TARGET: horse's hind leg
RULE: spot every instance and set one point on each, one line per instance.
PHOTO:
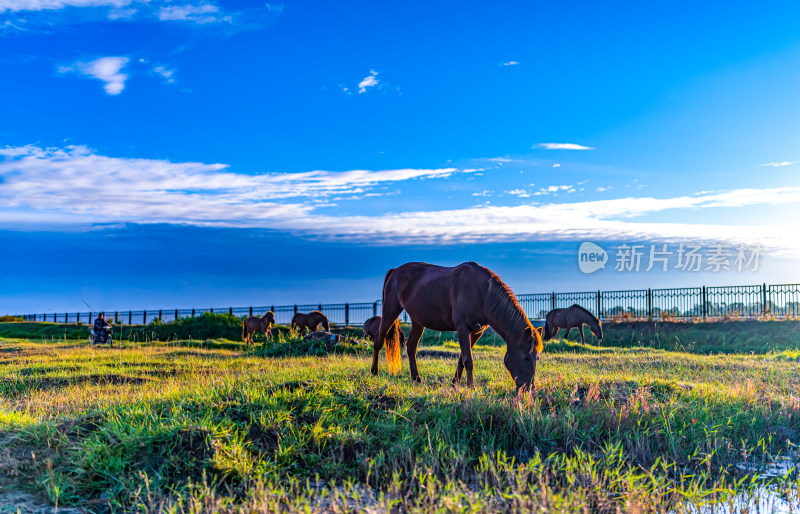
(411, 349)
(583, 338)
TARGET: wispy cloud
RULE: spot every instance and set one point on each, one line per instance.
(368, 81)
(562, 146)
(167, 74)
(198, 13)
(522, 193)
(510, 63)
(47, 15)
(60, 179)
(51, 5)
(555, 189)
(784, 163)
(107, 69)
(45, 185)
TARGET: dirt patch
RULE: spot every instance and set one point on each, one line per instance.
(383, 402)
(263, 440)
(290, 386)
(13, 496)
(26, 384)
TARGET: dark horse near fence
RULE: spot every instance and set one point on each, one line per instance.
(467, 299)
(569, 318)
(253, 324)
(309, 321)
(372, 325)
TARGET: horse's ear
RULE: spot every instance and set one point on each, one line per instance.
(540, 330)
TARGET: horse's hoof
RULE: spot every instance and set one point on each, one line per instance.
(374, 371)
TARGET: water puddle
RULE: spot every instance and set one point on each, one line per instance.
(761, 499)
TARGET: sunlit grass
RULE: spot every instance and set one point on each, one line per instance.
(217, 426)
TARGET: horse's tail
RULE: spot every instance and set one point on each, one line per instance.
(392, 345)
(546, 331)
(244, 329)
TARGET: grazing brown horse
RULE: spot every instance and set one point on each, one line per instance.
(569, 318)
(309, 321)
(253, 324)
(467, 299)
(372, 325)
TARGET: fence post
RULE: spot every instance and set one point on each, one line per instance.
(705, 303)
(193, 312)
(599, 304)
(130, 317)
(230, 311)
(319, 307)
(159, 314)
(764, 299)
(374, 308)
(78, 317)
(212, 310)
(272, 308)
(144, 318)
(116, 316)
(552, 301)
(347, 314)
(649, 303)
(295, 309)
(251, 310)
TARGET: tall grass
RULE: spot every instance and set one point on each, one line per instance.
(178, 427)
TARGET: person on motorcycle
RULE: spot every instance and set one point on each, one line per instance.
(99, 324)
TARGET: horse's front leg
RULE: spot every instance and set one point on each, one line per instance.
(464, 341)
(459, 371)
(473, 338)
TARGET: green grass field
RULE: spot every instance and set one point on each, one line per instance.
(202, 426)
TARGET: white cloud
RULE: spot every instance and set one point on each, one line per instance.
(166, 73)
(556, 165)
(562, 146)
(784, 163)
(145, 190)
(74, 185)
(51, 5)
(107, 69)
(522, 193)
(200, 13)
(368, 81)
(510, 63)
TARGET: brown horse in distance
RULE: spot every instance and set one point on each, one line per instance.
(372, 325)
(253, 324)
(310, 321)
(466, 299)
(569, 318)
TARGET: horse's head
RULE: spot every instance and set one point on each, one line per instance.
(598, 330)
(521, 358)
(269, 316)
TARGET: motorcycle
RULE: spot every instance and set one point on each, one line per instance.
(102, 336)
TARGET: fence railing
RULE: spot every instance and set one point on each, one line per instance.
(686, 302)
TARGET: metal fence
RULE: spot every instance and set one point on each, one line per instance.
(686, 302)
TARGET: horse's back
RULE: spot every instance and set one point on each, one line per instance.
(438, 296)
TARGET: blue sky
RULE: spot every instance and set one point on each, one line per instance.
(180, 153)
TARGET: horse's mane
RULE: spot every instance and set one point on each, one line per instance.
(584, 310)
(502, 304)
